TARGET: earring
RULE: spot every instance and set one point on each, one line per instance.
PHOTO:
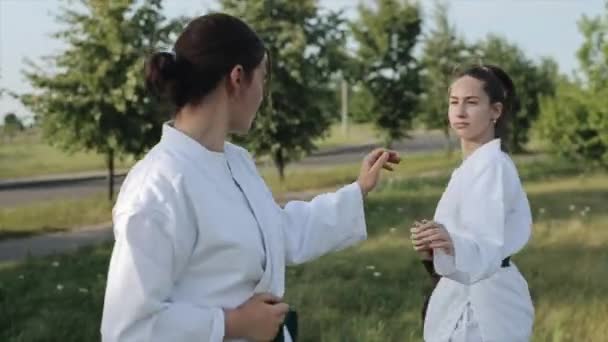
(494, 121)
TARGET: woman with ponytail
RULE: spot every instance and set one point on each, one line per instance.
(482, 219)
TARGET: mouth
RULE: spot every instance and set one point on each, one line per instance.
(460, 125)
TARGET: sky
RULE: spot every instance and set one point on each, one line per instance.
(538, 27)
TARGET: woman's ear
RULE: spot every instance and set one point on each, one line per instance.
(235, 78)
(496, 111)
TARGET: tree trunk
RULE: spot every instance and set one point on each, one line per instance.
(279, 163)
(110, 165)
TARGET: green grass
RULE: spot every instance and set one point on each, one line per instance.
(321, 177)
(357, 134)
(53, 216)
(372, 292)
(46, 313)
(28, 156)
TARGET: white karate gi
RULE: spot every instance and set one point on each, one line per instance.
(487, 214)
(190, 243)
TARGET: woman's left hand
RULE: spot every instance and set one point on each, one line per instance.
(434, 235)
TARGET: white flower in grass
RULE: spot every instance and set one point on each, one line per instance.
(83, 290)
(59, 287)
(370, 267)
(572, 207)
(541, 210)
(393, 230)
(583, 213)
(377, 274)
(587, 209)
(400, 209)
(55, 264)
(21, 276)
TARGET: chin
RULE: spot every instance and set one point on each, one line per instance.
(462, 133)
(468, 133)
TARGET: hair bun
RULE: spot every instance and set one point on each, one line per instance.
(161, 73)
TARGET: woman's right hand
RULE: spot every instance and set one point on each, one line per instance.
(258, 319)
(425, 252)
(372, 164)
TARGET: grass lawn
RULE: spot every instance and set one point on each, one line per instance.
(53, 216)
(28, 156)
(372, 292)
(357, 134)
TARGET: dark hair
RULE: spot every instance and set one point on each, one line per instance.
(207, 50)
(500, 88)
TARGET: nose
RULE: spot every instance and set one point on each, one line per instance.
(460, 111)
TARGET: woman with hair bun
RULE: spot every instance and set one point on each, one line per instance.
(201, 246)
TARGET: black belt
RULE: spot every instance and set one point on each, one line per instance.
(430, 268)
(291, 323)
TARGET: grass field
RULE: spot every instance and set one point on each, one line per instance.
(28, 156)
(372, 292)
(53, 216)
(357, 134)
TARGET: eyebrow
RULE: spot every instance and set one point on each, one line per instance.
(471, 97)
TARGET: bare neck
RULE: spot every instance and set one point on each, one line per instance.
(469, 146)
(206, 123)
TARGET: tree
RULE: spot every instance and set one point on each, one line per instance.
(531, 82)
(576, 124)
(12, 125)
(575, 121)
(306, 50)
(96, 99)
(443, 53)
(361, 104)
(591, 55)
(386, 36)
